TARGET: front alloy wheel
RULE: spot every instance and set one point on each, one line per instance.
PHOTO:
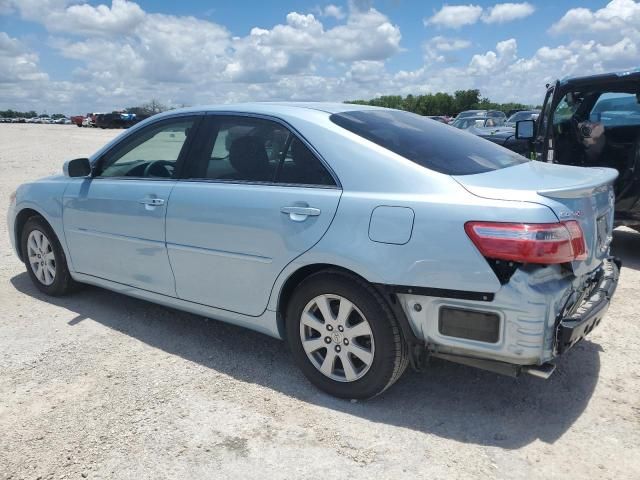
(44, 258)
(41, 257)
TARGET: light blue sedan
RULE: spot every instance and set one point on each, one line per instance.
(367, 238)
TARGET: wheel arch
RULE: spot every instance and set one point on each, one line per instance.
(299, 275)
(21, 219)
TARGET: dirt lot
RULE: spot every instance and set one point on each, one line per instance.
(99, 385)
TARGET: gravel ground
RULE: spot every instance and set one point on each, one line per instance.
(98, 385)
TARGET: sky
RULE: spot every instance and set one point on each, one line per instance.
(76, 57)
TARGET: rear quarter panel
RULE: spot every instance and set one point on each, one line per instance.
(439, 253)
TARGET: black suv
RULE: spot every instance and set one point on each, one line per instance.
(589, 121)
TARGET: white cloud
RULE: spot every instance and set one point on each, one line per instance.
(455, 16)
(126, 55)
(57, 16)
(492, 62)
(617, 20)
(507, 12)
(366, 71)
(122, 55)
(333, 11)
(445, 44)
(17, 64)
(293, 48)
(6, 7)
(440, 49)
(23, 83)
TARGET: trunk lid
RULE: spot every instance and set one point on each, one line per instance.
(572, 193)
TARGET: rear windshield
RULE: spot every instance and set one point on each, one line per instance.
(432, 144)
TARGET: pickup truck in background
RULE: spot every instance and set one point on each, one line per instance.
(589, 121)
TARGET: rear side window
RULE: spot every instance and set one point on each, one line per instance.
(256, 150)
(433, 145)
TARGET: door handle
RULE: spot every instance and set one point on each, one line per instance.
(300, 213)
(153, 202)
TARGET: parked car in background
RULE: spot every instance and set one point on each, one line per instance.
(260, 215)
(438, 118)
(117, 120)
(477, 121)
(89, 120)
(482, 113)
(521, 115)
(503, 136)
(592, 121)
(77, 120)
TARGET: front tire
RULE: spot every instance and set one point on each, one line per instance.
(44, 258)
(344, 336)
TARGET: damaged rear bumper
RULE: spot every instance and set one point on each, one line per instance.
(539, 315)
(588, 313)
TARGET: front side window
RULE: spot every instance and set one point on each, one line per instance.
(151, 153)
(433, 145)
(257, 150)
(566, 108)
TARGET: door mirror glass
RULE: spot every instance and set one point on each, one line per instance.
(525, 129)
(78, 167)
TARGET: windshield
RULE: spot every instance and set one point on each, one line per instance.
(516, 117)
(433, 145)
(470, 113)
(465, 123)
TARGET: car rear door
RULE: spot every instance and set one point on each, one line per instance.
(255, 197)
(114, 221)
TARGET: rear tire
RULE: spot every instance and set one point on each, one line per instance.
(44, 258)
(344, 336)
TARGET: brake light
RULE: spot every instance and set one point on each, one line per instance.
(543, 243)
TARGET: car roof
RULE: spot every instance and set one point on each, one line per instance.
(476, 117)
(276, 108)
(602, 78)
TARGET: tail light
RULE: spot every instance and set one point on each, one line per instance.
(543, 243)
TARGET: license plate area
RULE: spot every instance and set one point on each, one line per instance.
(603, 234)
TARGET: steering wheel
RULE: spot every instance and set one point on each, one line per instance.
(159, 168)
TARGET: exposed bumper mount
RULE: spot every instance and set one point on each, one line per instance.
(588, 314)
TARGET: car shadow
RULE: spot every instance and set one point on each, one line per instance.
(447, 400)
(626, 246)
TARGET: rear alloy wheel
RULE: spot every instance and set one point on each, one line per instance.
(337, 338)
(344, 337)
(44, 258)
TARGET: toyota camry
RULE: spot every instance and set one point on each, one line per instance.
(365, 237)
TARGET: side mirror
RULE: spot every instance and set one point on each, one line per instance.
(78, 167)
(525, 129)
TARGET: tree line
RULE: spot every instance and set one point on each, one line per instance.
(146, 109)
(441, 103)
(30, 114)
(429, 104)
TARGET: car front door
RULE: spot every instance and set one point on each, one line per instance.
(542, 148)
(255, 199)
(114, 221)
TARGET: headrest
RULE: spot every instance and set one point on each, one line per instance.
(249, 157)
